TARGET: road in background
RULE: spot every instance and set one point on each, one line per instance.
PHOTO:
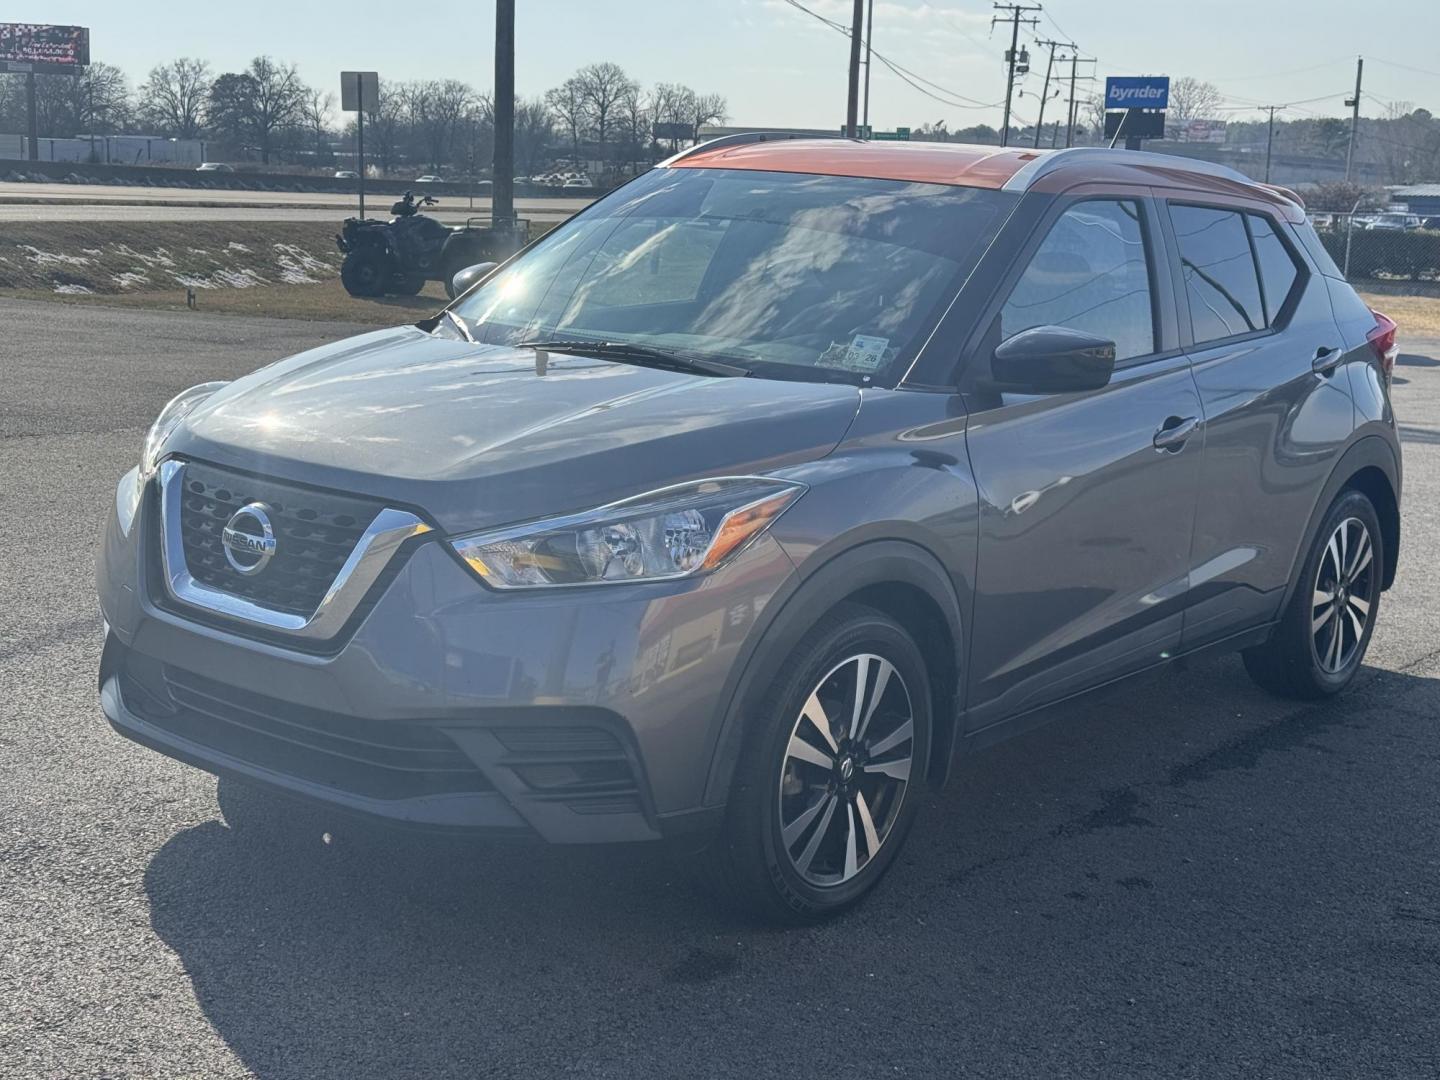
(102, 202)
(1181, 878)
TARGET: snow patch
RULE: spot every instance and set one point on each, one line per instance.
(74, 290)
(298, 266)
(128, 280)
(192, 281)
(49, 258)
(160, 257)
(235, 246)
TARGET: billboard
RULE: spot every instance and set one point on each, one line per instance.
(44, 48)
(1206, 131)
(1137, 92)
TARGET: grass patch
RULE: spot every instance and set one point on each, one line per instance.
(325, 301)
(69, 258)
(1414, 314)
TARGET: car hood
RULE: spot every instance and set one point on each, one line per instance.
(479, 435)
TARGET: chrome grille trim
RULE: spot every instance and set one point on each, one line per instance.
(374, 550)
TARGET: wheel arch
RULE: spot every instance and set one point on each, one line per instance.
(1371, 466)
(897, 577)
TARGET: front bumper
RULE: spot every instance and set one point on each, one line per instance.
(587, 716)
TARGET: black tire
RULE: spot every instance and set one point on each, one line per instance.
(1302, 659)
(365, 272)
(751, 863)
(407, 285)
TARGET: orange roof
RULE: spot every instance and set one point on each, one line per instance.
(959, 164)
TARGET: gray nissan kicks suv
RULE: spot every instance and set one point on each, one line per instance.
(741, 503)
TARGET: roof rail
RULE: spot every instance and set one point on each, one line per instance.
(1047, 163)
(741, 139)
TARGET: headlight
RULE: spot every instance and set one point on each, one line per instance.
(676, 532)
(175, 410)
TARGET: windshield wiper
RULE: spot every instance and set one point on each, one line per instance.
(641, 354)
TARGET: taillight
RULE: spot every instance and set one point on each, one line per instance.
(1382, 340)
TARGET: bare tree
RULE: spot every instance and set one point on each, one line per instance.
(603, 88)
(173, 97)
(97, 101)
(275, 102)
(1193, 99)
(568, 104)
(534, 129)
(316, 108)
(708, 109)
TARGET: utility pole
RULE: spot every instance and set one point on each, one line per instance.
(1270, 139)
(32, 123)
(1045, 93)
(869, 29)
(502, 173)
(1015, 18)
(1071, 113)
(1354, 104)
(852, 104)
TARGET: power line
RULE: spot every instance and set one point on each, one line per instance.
(899, 70)
(1012, 55)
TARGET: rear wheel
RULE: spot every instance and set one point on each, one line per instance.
(822, 796)
(407, 284)
(365, 272)
(1320, 642)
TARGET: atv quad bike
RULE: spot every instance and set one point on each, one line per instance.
(397, 257)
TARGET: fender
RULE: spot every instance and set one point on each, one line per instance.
(1368, 451)
(787, 621)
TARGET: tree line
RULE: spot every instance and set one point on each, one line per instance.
(267, 112)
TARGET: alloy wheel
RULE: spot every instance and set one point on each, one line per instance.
(846, 770)
(1344, 594)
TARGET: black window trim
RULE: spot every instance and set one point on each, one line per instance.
(1182, 292)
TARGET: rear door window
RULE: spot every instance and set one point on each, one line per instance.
(1278, 272)
(1218, 267)
(1090, 273)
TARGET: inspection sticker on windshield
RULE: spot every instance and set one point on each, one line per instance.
(864, 353)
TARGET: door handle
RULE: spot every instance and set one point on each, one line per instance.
(1326, 361)
(1171, 436)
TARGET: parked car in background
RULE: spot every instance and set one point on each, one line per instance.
(736, 507)
(1432, 222)
(577, 182)
(428, 179)
(1321, 220)
(346, 174)
(214, 166)
(1394, 222)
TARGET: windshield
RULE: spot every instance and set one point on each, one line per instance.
(787, 275)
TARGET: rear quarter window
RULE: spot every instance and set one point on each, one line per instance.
(1218, 268)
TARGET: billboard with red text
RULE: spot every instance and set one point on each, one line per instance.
(44, 47)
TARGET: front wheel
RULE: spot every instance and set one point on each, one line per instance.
(822, 798)
(1320, 641)
(365, 272)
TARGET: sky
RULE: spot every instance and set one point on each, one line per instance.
(778, 66)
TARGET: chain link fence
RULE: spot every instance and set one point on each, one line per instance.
(1387, 247)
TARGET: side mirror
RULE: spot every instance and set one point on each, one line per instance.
(463, 279)
(1052, 360)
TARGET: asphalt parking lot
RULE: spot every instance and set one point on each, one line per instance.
(1181, 878)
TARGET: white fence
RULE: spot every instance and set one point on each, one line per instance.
(108, 149)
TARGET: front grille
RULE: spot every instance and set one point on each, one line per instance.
(315, 533)
(382, 759)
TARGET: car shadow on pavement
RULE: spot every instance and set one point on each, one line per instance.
(1095, 862)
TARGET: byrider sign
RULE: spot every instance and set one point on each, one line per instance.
(1137, 92)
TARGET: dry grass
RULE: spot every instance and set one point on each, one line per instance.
(1414, 314)
(134, 257)
(326, 301)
